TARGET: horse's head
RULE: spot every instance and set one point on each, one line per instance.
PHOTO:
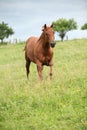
(49, 35)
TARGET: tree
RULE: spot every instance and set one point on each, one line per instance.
(84, 27)
(5, 31)
(62, 26)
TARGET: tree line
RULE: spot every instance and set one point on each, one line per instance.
(61, 26)
(5, 31)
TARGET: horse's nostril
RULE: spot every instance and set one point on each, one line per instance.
(52, 44)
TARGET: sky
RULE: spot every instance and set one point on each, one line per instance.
(27, 17)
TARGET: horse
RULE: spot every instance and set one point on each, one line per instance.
(39, 50)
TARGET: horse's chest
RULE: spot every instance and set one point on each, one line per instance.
(46, 60)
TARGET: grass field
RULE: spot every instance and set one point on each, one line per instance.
(60, 104)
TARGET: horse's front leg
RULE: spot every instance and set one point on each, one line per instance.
(51, 73)
(39, 69)
(51, 68)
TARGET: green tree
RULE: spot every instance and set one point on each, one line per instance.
(5, 31)
(84, 27)
(62, 26)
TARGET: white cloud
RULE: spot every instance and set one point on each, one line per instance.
(27, 17)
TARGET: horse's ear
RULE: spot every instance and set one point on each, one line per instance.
(44, 27)
(51, 25)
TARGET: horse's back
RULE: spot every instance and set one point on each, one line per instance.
(29, 48)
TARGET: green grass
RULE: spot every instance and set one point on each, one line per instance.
(60, 104)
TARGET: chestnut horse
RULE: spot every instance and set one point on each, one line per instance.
(40, 50)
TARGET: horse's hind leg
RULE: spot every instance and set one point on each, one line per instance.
(28, 67)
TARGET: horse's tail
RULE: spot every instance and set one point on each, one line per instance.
(25, 46)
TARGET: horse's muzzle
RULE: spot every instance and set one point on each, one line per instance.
(52, 44)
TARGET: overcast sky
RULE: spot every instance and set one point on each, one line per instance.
(27, 17)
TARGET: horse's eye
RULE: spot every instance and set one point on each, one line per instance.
(46, 34)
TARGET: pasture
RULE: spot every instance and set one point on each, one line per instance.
(59, 104)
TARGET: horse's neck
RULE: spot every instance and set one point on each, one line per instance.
(43, 42)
